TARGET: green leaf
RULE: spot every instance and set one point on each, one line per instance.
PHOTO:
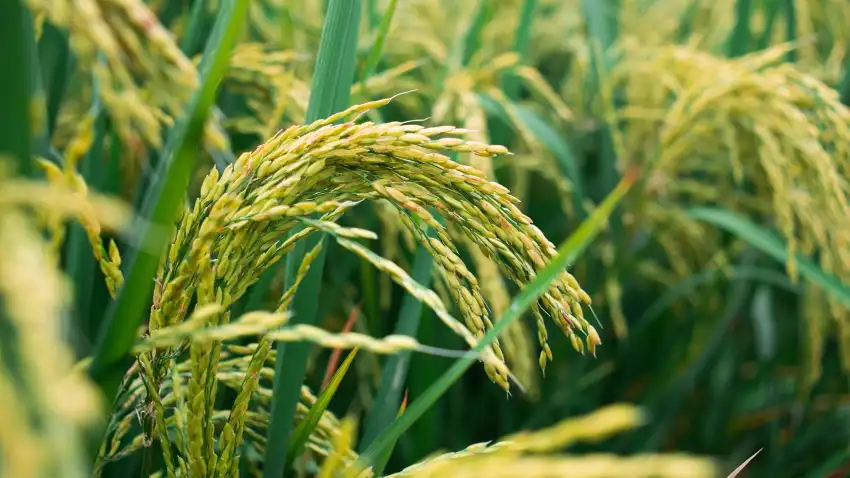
(771, 12)
(330, 92)
(15, 85)
(196, 26)
(686, 23)
(162, 205)
(483, 13)
(768, 243)
(522, 36)
(302, 432)
(739, 40)
(568, 252)
(791, 30)
(56, 62)
(377, 48)
(602, 26)
(381, 461)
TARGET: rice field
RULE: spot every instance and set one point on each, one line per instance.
(374, 238)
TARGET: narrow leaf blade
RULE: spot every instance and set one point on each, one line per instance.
(162, 205)
(306, 427)
(770, 244)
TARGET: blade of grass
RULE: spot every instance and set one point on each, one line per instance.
(510, 81)
(739, 39)
(305, 428)
(163, 204)
(768, 243)
(381, 462)
(372, 14)
(337, 353)
(377, 48)
(15, 83)
(196, 26)
(388, 397)
(568, 252)
(330, 92)
(483, 13)
(56, 62)
(601, 19)
(40, 137)
(510, 84)
(686, 23)
(771, 12)
(791, 28)
(602, 25)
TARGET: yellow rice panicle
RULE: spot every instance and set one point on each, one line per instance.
(145, 80)
(783, 132)
(310, 165)
(533, 453)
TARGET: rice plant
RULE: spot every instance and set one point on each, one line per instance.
(424, 238)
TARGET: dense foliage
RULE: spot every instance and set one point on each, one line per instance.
(206, 204)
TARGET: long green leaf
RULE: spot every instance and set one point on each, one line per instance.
(771, 12)
(686, 22)
(739, 40)
(330, 92)
(522, 36)
(302, 432)
(15, 85)
(568, 252)
(510, 81)
(56, 61)
(196, 26)
(472, 41)
(377, 48)
(768, 243)
(791, 26)
(40, 136)
(162, 205)
(381, 461)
